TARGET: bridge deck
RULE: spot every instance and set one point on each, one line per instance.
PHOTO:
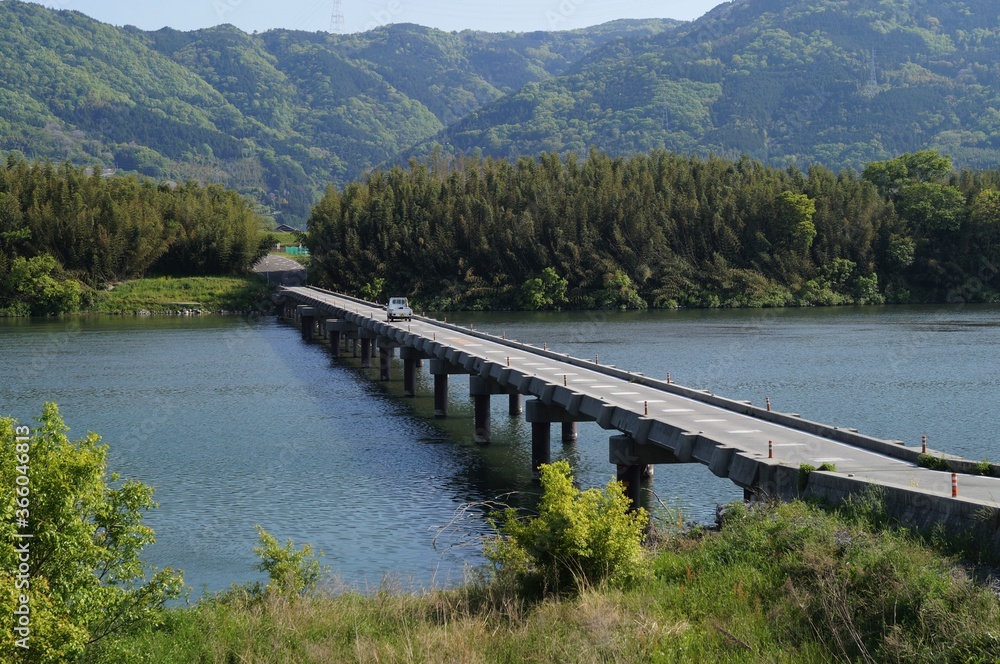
(728, 436)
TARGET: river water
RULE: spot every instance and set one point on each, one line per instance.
(237, 422)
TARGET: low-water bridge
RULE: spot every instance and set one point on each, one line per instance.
(657, 421)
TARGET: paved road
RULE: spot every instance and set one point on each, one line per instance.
(705, 427)
(280, 270)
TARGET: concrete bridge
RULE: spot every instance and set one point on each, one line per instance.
(767, 453)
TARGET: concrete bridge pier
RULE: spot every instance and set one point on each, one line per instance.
(541, 416)
(635, 462)
(411, 358)
(385, 347)
(441, 369)
(481, 389)
(307, 316)
(337, 330)
(367, 339)
(516, 404)
(570, 432)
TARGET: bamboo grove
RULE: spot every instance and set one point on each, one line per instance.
(64, 232)
(661, 230)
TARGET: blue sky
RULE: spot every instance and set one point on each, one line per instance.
(250, 15)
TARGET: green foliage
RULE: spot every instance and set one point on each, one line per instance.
(168, 294)
(777, 583)
(32, 281)
(88, 584)
(932, 462)
(804, 470)
(62, 231)
(293, 572)
(577, 540)
(543, 292)
(795, 577)
(654, 229)
(984, 468)
(374, 290)
(274, 116)
(786, 82)
(931, 207)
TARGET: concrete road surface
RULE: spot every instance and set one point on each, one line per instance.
(280, 270)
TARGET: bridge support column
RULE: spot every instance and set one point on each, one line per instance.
(441, 395)
(410, 358)
(541, 446)
(367, 340)
(631, 477)
(541, 416)
(480, 390)
(354, 347)
(635, 462)
(337, 330)
(385, 350)
(570, 432)
(307, 315)
(516, 404)
(440, 369)
(385, 364)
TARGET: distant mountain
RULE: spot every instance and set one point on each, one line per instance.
(276, 116)
(280, 115)
(839, 82)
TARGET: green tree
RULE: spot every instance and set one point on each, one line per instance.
(794, 217)
(35, 281)
(892, 175)
(84, 579)
(543, 292)
(932, 207)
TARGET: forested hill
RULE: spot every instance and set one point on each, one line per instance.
(834, 82)
(276, 116)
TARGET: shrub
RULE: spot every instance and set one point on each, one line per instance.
(932, 462)
(292, 572)
(84, 581)
(578, 538)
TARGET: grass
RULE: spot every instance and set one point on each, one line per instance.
(163, 294)
(782, 583)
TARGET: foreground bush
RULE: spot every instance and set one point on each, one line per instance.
(578, 538)
(70, 544)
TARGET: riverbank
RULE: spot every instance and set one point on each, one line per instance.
(183, 296)
(790, 582)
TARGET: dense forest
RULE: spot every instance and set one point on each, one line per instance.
(661, 230)
(64, 233)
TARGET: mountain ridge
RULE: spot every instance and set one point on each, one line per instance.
(280, 115)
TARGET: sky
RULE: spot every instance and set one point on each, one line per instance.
(359, 15)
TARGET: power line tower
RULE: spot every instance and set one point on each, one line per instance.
(337, 19)
(871, 88)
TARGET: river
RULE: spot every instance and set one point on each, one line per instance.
(237, 422)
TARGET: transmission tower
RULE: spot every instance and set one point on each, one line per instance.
(337, 19)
